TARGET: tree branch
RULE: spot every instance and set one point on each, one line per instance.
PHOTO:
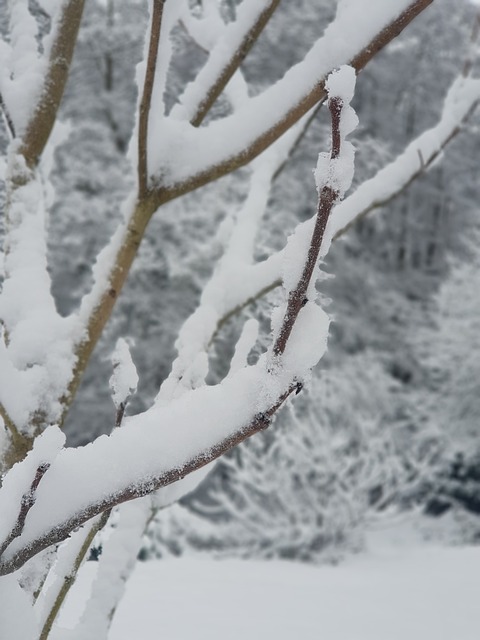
(20, 444)
(60, 529)
(26, 503)
(380, 190)
(67, 580)
(317, 94)
(8, 119)
(327, 200)
(145, 207)
(145, 103)
(211, 402)
(213, 90)
(41, 123)
(102, 306)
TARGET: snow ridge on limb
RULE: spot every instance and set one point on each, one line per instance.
(195, 429)
(224, 59)
(461, 101)
(171, 139)
(354, 37)
(19, 489)
(232, 280)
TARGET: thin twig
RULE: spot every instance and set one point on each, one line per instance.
(144, 113)
(26, 503)
(376, 204)
(69, 579)
(468, 64)
(8, 119)
(328, 197)
(213, 91)
(382, 202)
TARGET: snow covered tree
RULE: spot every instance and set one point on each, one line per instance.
(54, 499)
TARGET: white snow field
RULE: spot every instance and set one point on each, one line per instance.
(402, 591)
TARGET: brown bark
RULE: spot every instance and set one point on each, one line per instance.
(41, 123)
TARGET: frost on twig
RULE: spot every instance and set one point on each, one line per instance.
(124, 379)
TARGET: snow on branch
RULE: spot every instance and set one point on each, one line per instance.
(19, 489)
(354, 37)
(124, 379)
(36, 350)
(245, 135)
(333, 177)
(232, 279)
(460, 102)
(145, 103)
(225, 57)
(162, 445)
(60, 52)
(205, 32)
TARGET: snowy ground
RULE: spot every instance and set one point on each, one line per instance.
(400, 590)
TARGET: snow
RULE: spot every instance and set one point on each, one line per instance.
(344, 38)
(386, 183)
(116, 563)
(148, 445)
(244, 345)
(38, 359)
(19, 481)
(461, 98)
(391, 592)
(22, 71)
(225, 47)
(17, 621)
(124, 379)
(337, 173)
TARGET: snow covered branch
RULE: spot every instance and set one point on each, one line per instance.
(460, 103)
(223, 416)
(227, 144)
(40, 124)
(179, 146)
(238, 38)
(144, 110)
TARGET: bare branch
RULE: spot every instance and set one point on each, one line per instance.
(43, 119)
(103, 307)
(145, 103)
